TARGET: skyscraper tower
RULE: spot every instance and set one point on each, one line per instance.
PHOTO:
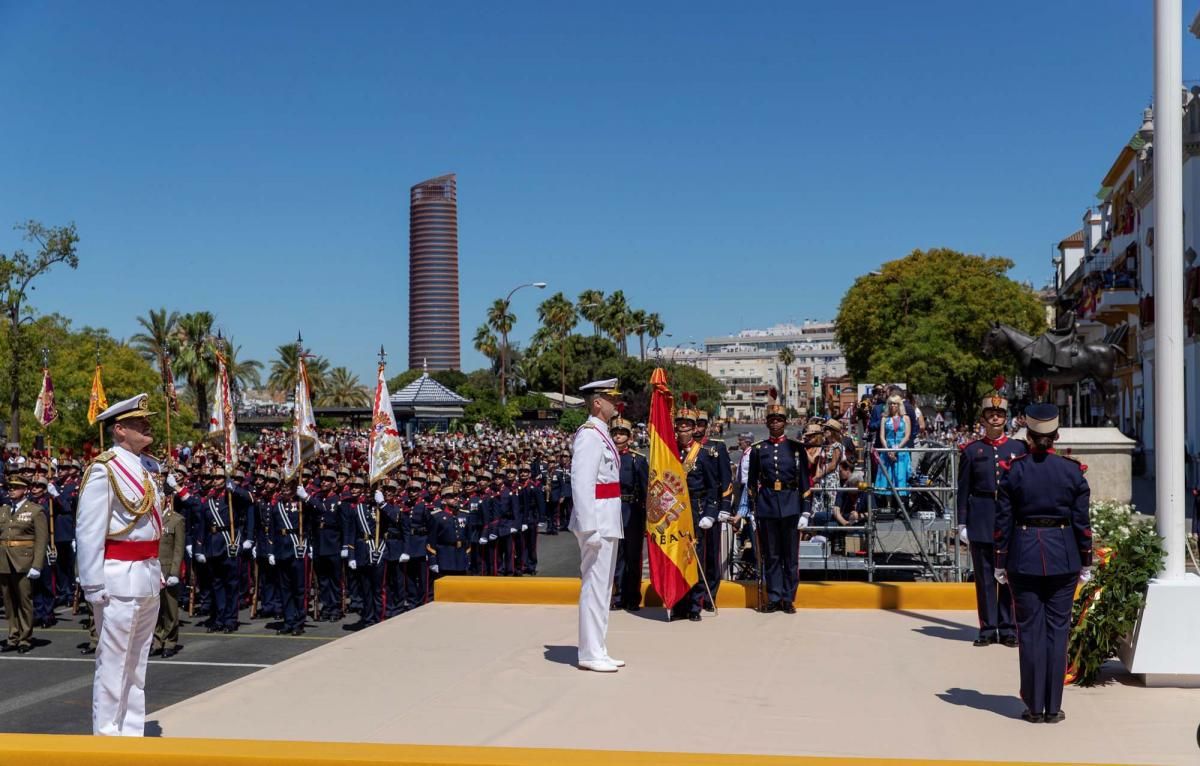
(433, 335)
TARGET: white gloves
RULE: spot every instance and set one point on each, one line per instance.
(229, 485)
(803, 522)
(1001, 576)
(483, 541)
(201, 558)
(172, 482)
(353, 565)
(345, 553)
(724, 516)
(404, 557)
(188, 550)
(962, 534)
(172, 580)
(512, 530)
(491, 537)
(72, 546)
(98, 597)
(524, 527)
(433, 568)
(271, 559)
(247, 544)
(378, 497)
(706, 522)
(51, 490)
(34, 574)
(301, 492)
(1086, 574)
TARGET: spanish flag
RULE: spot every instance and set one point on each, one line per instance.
(98, 402)
(669, 527)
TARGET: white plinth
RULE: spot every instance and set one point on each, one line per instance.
(1163, 648)
(1108, 455)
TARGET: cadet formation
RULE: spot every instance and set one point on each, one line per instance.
(321, 544)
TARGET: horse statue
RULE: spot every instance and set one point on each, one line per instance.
(1058, 356)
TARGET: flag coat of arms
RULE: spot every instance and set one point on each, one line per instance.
(222, 430)
(669, 530)
(304, 425)
(97, 402)
(385, 450)
(44, 410)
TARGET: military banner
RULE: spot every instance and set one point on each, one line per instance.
(222, 430)
(169, 391)
(385, 450)
(97, 402)
(669, 529)
(304, 424)
(44, 410)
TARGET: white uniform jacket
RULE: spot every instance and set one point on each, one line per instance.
(102, 516)
(595, 469)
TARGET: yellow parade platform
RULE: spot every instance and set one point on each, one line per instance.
(730, 595)
(496, 683)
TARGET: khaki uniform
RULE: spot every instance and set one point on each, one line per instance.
(170, 557)
(24, 535)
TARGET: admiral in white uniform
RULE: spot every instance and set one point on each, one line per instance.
(119, 524)
(596, 522)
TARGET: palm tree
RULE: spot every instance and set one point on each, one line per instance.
(343, 389)
(282, 379)
(655, 326)
(786, 357)
(501, 319)
(616, 318)
(155, 342)
(591, 308)
(485, 343)
(193, 350)
(558, 318)
(637, 320)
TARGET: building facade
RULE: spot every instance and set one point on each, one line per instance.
(433, 318)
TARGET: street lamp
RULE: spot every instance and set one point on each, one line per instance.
(504, 339)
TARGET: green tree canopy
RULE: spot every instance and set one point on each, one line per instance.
(922, 319)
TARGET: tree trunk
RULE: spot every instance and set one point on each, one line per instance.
(14, 377)
(642, 345)
(562, 374)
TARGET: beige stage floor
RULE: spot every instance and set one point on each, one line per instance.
(822, 682)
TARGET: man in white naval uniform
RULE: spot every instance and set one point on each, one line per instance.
(596, 522)
(119, 523)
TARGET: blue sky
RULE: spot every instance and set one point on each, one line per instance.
(727, 165)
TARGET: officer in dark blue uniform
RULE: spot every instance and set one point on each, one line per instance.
(362, 532)
(416, 520)
(980, 469)
(724, 465)
(1043, 548)
(221, 534)
(449, 546)
(635, 478)
(62, 507)
(704, 494)
(508, 511)
(472, 503)
(394, 522)
(323, 509)
(288, 552)
(269, 600)
(533, 508)
(777, 480)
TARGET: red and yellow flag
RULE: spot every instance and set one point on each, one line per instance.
(98, 402)
(669, 528)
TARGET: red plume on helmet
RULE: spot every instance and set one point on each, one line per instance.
(999, 382)
(1041, 387)
(620, 408)
(773, 393)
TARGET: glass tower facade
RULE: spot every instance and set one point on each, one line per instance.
(433, 332)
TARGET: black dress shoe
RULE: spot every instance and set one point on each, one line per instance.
(633, 608)
(212, 629)
(1027, 716)
(87, 650)
(226, 631)
(7, 647)
(1055, 717)
(297, 631)
(984, 641)
(156, 652)
(709, 608)
(786, 607)
(1009, 641)
(769, 607)
(168, 653)
(24, 649)
(694, 617)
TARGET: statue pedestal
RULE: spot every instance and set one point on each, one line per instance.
(1162, 649)
(1108, 455)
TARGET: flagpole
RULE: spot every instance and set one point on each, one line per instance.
(163, 362)
(371, 441)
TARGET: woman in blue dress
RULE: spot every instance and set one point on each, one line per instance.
(894, 429)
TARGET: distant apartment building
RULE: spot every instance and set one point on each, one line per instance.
(433, 323)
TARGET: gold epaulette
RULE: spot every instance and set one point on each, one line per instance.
(104, 456)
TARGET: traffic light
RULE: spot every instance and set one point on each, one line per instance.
(816, 382)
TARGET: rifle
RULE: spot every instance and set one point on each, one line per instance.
(191, 589)
(75, 599)
(254, 589)
(345, 597)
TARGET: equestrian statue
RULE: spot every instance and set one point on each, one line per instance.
(1059, 356)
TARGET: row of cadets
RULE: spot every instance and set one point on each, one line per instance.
(704, 493)
(220, 535)
(635, 479)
